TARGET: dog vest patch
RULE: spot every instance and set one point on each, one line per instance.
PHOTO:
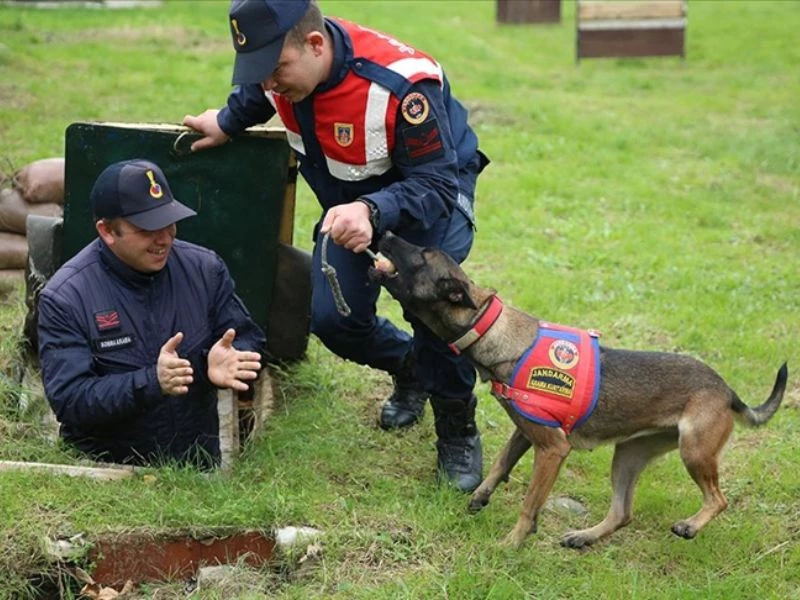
(557, 380)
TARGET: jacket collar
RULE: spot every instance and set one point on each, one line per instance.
(342, 55)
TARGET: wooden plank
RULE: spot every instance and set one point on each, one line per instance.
(263, 400)
(633, 24)
(228, 414)
(528, 11)
(241, 416)
(256, 406)
(103, 473)
(630, 42)
(286, 232)
(648, 9)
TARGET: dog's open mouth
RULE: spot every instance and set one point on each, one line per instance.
(385, 265)
(382, 269)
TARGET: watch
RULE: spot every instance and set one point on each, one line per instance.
(374, 213)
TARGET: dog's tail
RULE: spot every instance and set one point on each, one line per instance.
(761, 414)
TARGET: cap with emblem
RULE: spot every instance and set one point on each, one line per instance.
(137, 191)
(258, 28)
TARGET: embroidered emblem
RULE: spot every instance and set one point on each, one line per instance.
(415, 108)
(343, 132)
(423, 142)
(241, 38)
(155, 189)
(106, 320)
(552, 381)
(564, 354)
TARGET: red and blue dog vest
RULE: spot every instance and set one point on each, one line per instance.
(557, 380)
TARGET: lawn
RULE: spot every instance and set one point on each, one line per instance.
(657, 200)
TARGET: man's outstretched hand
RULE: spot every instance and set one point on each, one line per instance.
(174, 373)
(229, 367)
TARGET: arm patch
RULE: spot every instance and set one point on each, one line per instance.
(423, 143)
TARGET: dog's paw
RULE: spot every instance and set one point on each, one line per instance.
(577, 540)
(684, 529)
(513, 540)
(477, 503)
(517, 535)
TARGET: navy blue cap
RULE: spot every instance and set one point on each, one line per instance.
(137, 191)
(258, 28)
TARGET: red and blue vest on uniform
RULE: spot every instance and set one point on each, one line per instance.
(355, 120)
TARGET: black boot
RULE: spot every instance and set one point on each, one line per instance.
(407, 402)
(459, 443)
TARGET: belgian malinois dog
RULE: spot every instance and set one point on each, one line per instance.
(646, 403)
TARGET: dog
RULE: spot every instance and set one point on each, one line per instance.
(645, 403)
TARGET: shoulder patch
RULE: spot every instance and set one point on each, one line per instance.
(414, 108)
(423, 142)
(106, 320)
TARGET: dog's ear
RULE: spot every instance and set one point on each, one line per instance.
(456, 292)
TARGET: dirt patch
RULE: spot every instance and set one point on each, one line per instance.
(12, 98)
(179, 36)
(490, 114)
(379, 556)
(778, 183)
(224, 562)
(144, 557)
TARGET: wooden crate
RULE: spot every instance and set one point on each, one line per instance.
(528, 11)
(615, 28)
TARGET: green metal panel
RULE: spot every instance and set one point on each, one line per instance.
(237, 190)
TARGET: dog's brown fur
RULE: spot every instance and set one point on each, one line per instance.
(649, 402)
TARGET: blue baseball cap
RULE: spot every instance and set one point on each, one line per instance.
(259, 28)
(137, 191)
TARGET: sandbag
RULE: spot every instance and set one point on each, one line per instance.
(44, 235)
(41, 181)
(13, 250)
(14, 210)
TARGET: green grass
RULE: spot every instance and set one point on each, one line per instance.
(657, 200)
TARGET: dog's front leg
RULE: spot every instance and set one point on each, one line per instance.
(546, 465)
(515, 447)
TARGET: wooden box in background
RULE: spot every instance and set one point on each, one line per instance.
(630, 28)
(528, 11)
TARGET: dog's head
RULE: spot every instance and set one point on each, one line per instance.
(430, 285)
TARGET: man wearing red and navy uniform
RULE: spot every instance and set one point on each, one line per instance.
(384, 146)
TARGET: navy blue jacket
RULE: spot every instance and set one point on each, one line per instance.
(412, 192)
(101, 327)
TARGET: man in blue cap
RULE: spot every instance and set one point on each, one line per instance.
(137, 330)
(384, 146)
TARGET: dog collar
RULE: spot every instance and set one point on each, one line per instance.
(482, 324)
